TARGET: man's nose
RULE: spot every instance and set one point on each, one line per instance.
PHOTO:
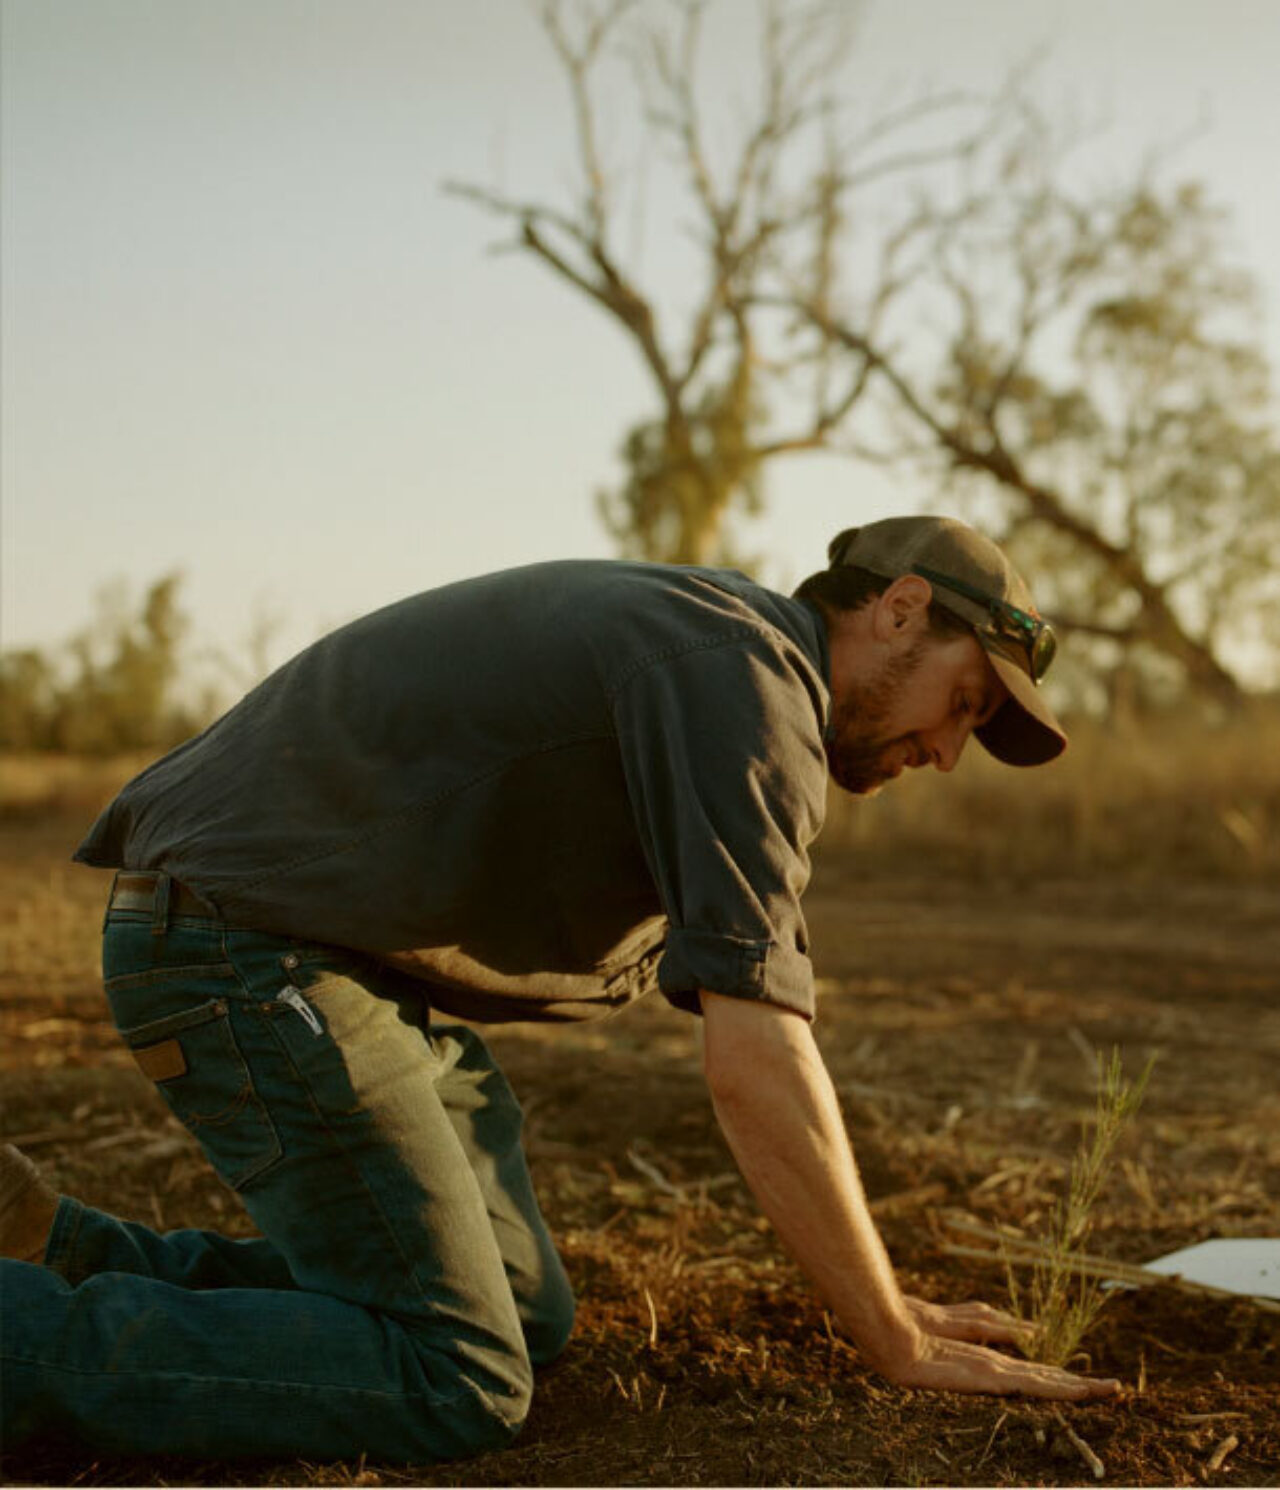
(947, 746)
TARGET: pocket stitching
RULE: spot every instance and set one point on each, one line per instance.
(245, 1097)
(146, 976)
(156, 1030)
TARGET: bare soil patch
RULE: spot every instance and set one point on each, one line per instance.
(957, 1018)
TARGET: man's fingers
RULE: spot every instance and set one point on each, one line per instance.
(957, 1366)
(982, 1323)
(973, 1321)
(957, 1359)
(1029, 1379)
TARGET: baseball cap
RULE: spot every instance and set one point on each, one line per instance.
(1023, 731)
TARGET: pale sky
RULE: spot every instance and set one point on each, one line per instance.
(247, 336)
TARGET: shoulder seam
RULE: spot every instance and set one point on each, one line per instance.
(741, 631)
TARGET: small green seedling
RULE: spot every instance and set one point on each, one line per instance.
(1060, 1303)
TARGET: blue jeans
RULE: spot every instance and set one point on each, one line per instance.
(405, 1282)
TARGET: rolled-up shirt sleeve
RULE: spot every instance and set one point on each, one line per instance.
(722, 749)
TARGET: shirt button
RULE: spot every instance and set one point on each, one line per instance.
(289, 960)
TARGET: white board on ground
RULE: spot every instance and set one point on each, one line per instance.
(1239, 1264)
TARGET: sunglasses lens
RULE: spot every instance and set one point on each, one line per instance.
(1044, 650)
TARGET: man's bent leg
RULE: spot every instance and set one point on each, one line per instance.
(84, 1241)
(401, 1338)
(486, 1117)
(488, 1122)
(132, 1365)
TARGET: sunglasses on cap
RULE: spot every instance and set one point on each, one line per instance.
(1033, 637)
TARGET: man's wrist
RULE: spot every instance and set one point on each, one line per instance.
(893, 1344)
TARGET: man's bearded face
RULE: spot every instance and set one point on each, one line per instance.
(859, 744)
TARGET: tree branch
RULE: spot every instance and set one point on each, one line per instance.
(1047, 505)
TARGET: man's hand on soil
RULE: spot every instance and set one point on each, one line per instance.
(948, 1359)
(944, 1365)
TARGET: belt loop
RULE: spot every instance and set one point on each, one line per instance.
(160, 905)
(106, 913)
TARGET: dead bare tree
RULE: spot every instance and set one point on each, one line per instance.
(924, 292)
(701, 456)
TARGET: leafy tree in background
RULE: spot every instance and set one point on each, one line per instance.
(1077, 366)
(28, 697)
(116, 692)
(1092, 382)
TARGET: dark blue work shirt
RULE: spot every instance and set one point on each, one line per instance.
(542, 791)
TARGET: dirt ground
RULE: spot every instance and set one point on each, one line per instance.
(958, 1020)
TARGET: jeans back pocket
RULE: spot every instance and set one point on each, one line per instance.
(196, 1062)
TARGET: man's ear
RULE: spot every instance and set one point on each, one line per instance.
(903, 609)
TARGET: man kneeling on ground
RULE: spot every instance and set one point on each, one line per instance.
(536, 795)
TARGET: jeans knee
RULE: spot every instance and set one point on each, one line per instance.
(484, 1422)
(547, 1335)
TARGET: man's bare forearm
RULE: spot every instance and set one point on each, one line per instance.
(783, 1123)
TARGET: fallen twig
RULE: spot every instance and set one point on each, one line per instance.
(723, 1260)
(126, 1135)
(1218, 1458)
(39, 1028)
(40, 1136)
(1018, 1249)
(1081, 1448)
(653, 1320)
(906, 1200)
(655, 1176)
(982, 1458)
(66, 1132)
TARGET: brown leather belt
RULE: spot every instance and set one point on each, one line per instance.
(135, 890)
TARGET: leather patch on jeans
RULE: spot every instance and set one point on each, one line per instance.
(162, 1062)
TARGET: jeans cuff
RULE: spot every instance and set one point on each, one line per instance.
(64, 1231)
